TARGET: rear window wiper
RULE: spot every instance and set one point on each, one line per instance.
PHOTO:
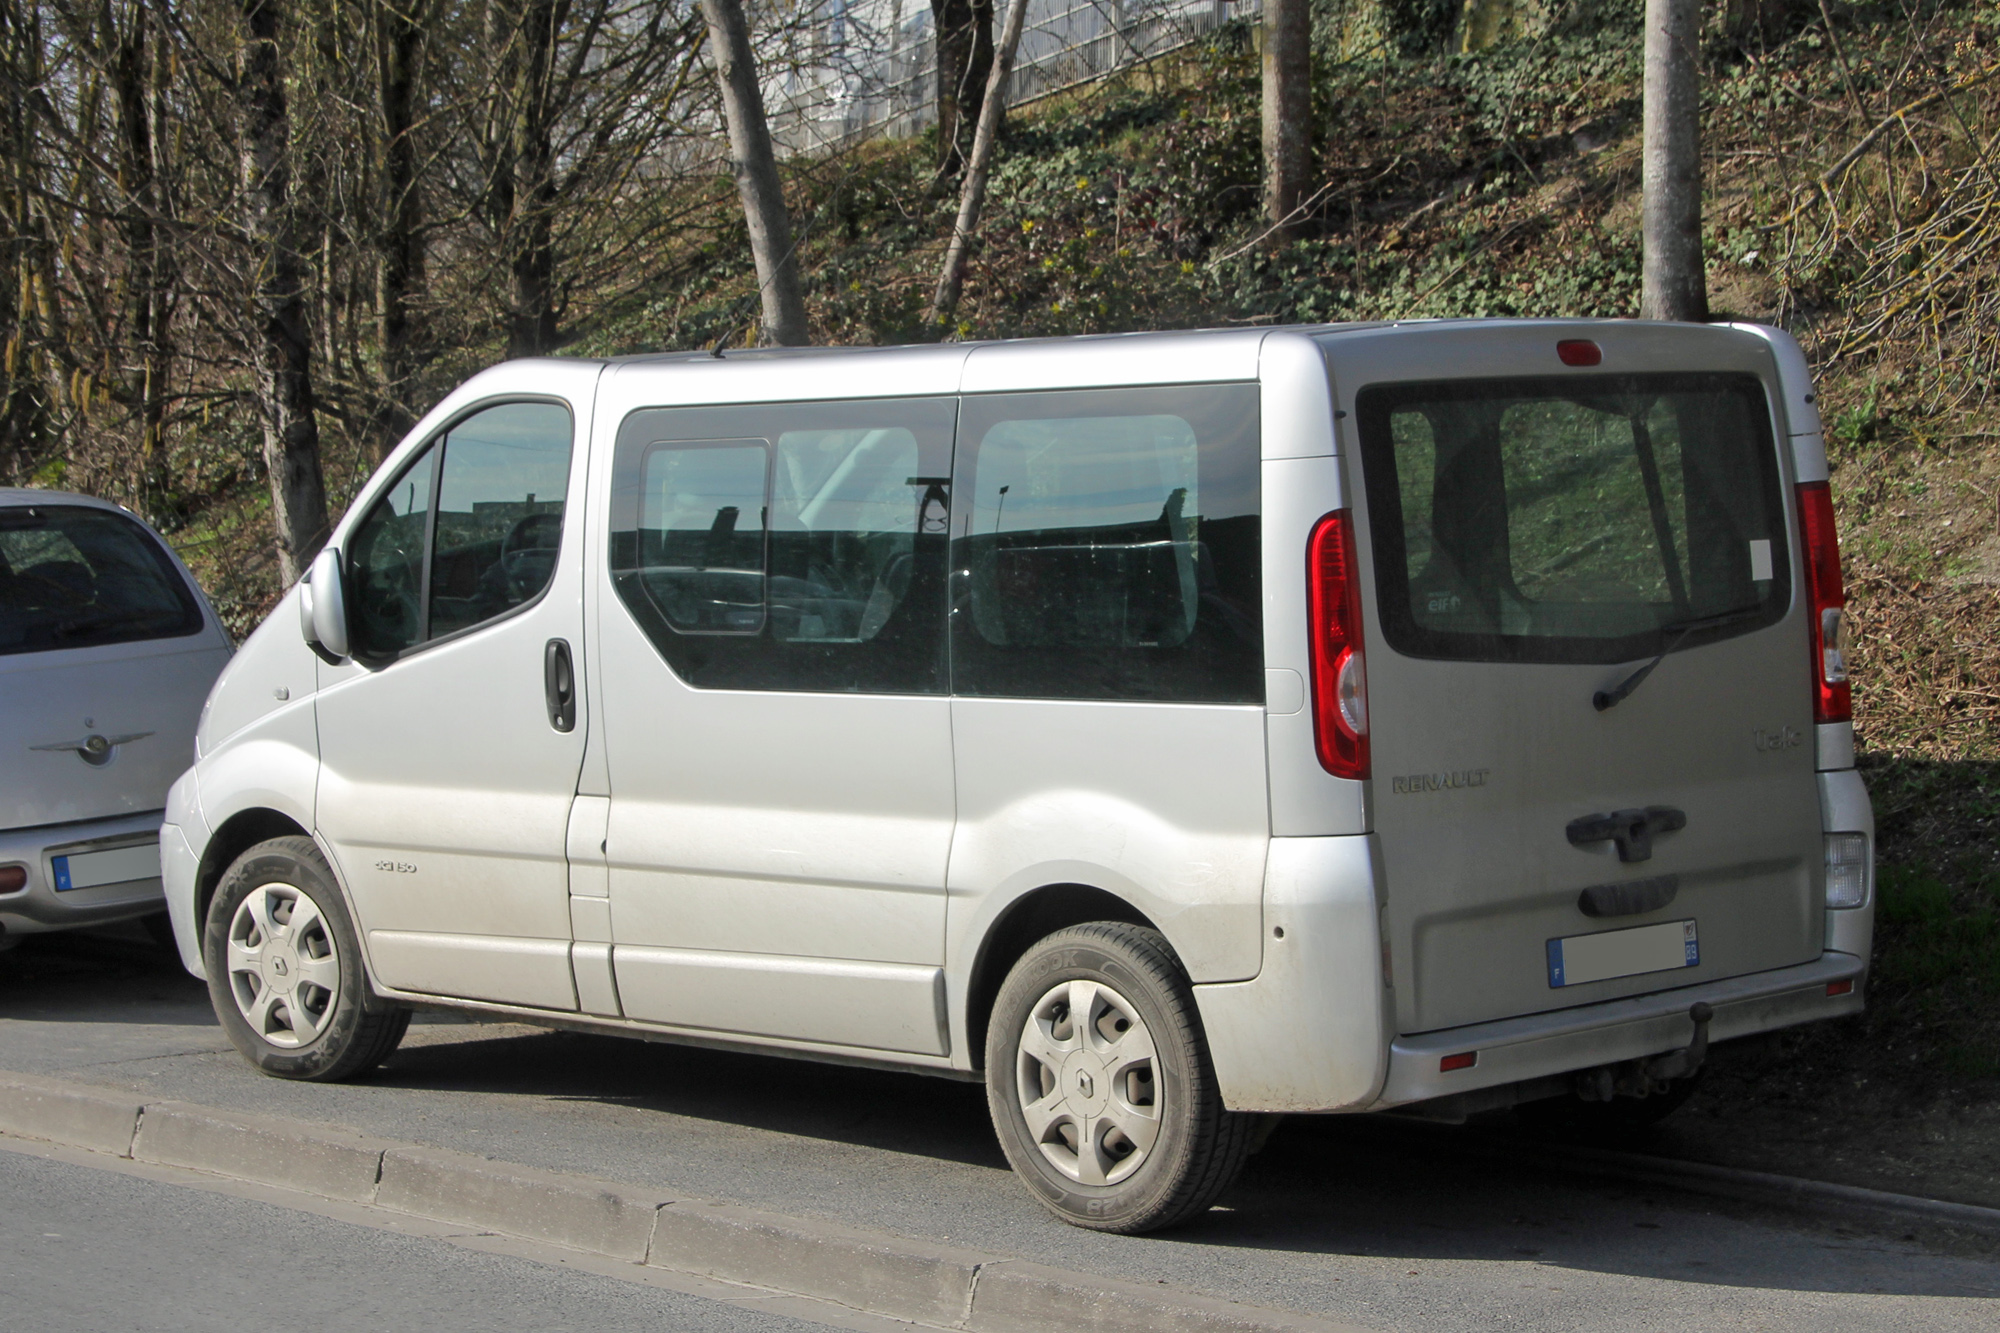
(1680, 629)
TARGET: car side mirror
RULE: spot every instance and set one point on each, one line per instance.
(323, 607)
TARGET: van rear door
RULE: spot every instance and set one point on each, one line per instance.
(1557, 828)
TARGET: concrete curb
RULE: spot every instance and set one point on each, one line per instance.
(83, 1117)
(583, 1214)
(325, 1160)
(1765, 1187)
(877, 1272)
(1723, 1182)
(892, 1275)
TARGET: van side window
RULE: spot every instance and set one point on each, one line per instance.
(788, 546)
(450, 547)
(1107, 546)
(385, 561)
(1577, 520)
(499, 513)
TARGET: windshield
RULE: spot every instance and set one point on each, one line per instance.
(75, 577)
(1575, 519)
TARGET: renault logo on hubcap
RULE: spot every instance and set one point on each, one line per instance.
(1084, 1084)
(278, 966)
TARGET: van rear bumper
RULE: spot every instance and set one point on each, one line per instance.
(1514, 1050)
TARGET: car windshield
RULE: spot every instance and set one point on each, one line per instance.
(74, 577)
(1573, 520)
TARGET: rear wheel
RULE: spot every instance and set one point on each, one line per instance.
(284, 968)
(1100, 1085)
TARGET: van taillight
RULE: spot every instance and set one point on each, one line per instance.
(1833, 700)
(1339, 679)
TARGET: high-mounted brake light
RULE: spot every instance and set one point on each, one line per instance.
(1579, 352)
(1833, 699)
(1339, 677)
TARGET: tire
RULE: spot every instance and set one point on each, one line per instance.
(293, 997)
(1135, 1088)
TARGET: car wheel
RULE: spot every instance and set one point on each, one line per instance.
(284, 968)
(1100, 1085)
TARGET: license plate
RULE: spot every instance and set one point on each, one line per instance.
(89, 870)
(1608, 954)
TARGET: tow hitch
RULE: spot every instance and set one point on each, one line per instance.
(1653, 1074)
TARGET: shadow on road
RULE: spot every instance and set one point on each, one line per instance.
(1324, 1189)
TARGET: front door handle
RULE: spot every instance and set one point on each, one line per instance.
(559, 685)
(1632, 830)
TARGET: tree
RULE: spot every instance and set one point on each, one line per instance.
(281, 347)
(755, 166)
(964, 30)
(401, 243)
(1673, 285)
(992, 110)
(1287, 110)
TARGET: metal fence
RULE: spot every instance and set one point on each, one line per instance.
(864, 69)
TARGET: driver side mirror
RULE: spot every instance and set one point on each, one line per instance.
(323, 607)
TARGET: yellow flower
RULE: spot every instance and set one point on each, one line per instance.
(1187, 266)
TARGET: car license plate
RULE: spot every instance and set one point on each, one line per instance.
(1608, 954)
(89, 870)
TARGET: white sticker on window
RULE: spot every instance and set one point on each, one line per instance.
(1760, 561)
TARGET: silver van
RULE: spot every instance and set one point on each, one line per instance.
(1169, 730)
(107, 649)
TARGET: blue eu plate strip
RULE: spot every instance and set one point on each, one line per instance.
(1556, 963)
(61, 864)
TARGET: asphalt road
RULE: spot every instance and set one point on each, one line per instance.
(1335, 1217)
(84, 1250)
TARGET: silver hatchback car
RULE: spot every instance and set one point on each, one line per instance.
(107, 649)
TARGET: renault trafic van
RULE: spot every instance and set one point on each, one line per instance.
(107, 649)
(1169, 730)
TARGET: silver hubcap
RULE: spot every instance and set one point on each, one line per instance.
(283, 968)
(1089, 1083)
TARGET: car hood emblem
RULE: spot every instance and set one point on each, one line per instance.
(94, 749)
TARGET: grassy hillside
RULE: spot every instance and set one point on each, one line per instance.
(1852, 199)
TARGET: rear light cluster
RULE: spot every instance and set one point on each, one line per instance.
(1833, 699)
(1846, 869)
(1339, 676)
(13, 879)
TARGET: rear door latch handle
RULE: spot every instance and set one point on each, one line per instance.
(559, 685)
(1632, 830)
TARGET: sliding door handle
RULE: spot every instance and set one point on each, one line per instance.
(559, 685)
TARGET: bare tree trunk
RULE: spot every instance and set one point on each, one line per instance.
(401, 272)
(1287, 110)
(283, 349)
(756, 170)
(951, 280)
(531, 303)
(1674, 286)
(139, 87)
(964, 63)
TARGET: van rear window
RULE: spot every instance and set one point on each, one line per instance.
(1574, 519)
(72, 576)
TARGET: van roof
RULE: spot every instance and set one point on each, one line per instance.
(959, 349)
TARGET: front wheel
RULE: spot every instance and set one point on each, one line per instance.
(1100, 1085)
(284, 968)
